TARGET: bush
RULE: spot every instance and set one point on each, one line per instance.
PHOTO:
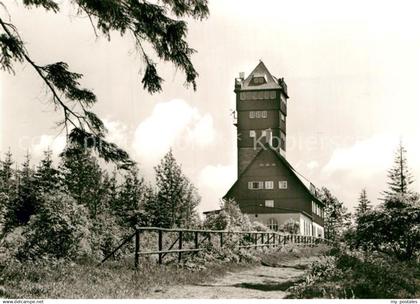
(291, 226)
(393, 228)
(358, 275)
(106, 235)
(229, 218)
(59, 230)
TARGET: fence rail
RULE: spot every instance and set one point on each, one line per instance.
(198, 238)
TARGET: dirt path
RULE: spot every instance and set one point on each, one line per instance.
(261, 282)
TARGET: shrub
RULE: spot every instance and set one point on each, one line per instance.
(358, 275)
(229, 218)
(59, 230)
(393, 228)
(106, 235)
(290, 226)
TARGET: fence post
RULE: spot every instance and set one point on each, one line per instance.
(180, 247)
(196, 239)
(160, 246)
(221, 239)
(262, 239)
(136, 253)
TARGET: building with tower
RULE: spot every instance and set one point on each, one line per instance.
(268, 189)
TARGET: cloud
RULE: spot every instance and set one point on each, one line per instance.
(313, 164)
(364, 158)
(364, 165)
(213, 182)
(172, 124)
(48, 142)
(117, 132)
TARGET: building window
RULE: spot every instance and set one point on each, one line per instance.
(269, 185)
(251, 114)
(272, 94)
(283, 141)
(282, 117)
(264, 114)
(252, 133)
(255, 185)
(257, 95)
(282, 184)
(257, 114)
(269, 203)
(264, 133)
(273, 225)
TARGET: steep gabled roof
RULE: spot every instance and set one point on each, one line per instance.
(286, 164)
(261, 71)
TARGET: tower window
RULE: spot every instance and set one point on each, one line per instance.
(282, 117)
(257, 114)
(269, 185)
(282, 184)
(257, 95)
(272, 94)
(257, 80)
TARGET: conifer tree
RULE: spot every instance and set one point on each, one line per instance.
(364, 204)
(400, 177)
(6, 174)
(82, 176)
(132, 195)
(176, 198)
(110, 189)
(47, 178)
(25, 203)
(336, 217)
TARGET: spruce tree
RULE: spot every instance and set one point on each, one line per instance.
(176, 198)
(25, 203)
(6, 174)
(400, 177)
(336, 217)
(132, 195)
(82, 177)
(364, 204)
(47, 178)
(7, 188)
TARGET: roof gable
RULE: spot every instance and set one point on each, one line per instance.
(286, 164)
(261, 70)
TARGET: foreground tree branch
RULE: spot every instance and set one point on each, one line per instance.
(148, 23)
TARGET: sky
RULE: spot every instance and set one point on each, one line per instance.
(352, 70)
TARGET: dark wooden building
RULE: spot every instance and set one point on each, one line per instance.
(268, 188)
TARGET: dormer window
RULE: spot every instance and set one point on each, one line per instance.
(258, 80)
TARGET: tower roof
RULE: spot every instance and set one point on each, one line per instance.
(260, 71)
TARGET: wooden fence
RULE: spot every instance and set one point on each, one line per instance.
(193, 240)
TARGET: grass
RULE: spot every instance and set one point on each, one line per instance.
(118, 279)
(69, 280)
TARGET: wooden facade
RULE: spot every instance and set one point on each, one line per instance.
(268, 189)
